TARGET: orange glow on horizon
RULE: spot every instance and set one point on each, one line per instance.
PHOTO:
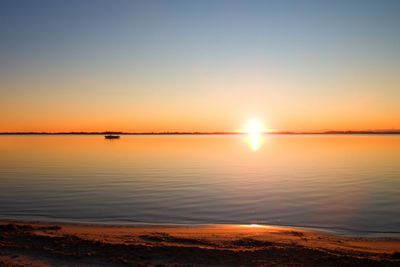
(135, 121)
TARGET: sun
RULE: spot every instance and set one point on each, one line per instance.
(254, 126)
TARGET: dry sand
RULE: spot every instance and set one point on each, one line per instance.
(49, 244)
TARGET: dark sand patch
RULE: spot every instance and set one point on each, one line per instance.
(37, 244)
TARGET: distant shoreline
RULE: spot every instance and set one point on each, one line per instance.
(206, 133)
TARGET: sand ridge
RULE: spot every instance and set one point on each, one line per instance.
(49, 244)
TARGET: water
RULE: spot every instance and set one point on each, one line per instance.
(338, 182)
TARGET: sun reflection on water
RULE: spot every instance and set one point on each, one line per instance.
(255, 141)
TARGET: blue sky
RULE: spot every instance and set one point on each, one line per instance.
(167, 59)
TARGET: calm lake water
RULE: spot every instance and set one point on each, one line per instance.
(340, 182)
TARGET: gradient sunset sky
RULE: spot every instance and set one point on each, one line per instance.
(199, 65)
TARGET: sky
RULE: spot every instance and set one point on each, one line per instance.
(159, 66)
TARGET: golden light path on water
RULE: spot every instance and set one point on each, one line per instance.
(255, 141)
(255, 134)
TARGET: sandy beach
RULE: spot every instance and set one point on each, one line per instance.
(56, 244)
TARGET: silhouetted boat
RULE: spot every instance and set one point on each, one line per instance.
(111, 136)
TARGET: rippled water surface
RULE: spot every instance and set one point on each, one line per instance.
(337, 181)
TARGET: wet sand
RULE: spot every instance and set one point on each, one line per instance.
(55, 244)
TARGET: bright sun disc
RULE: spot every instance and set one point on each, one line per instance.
(254, 127)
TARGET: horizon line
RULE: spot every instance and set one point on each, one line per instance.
(394, 131)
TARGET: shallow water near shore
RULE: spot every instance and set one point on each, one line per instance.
(339, 182)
